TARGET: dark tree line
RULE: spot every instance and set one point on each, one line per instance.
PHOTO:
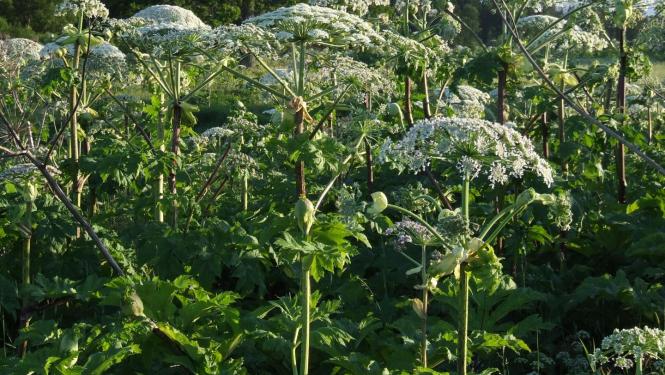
(34, 18)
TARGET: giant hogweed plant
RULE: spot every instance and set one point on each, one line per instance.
(163, 39)
(478, 150)
(74, 49)
(307, 29)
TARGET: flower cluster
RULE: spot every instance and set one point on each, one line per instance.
(560, 211)
(164, 30)
(409, 53)
(171, 15)
(345, 70)
(230, 39)
(535, 6)
(359, 7)
(408, 231)
(217, 132)
(422, 8)
(349, 202)
(16, 54)
(466, 101)
(103, 59)
(622, 345)
(106, 59)
(303, 22)
(85, 8)
(586, 36)
(475, 147)
(19, 50)
(452, 225)
(414, 197)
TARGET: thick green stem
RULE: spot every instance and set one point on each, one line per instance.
(423, 337)
(245, 183)
(159, 183)
(175, 149)
(463, 320)
(294, 348)
(463, 328)
(426, 107)
(25, 320)
(562, 130)
(301, 69)
(306, 291)
(301, 189)
(638, 365)
(465, 200)
(245, 190)
(408, 101)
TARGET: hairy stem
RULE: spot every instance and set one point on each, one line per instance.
(423, 338)
(426, 108)
(175, 149)
(463, 320)
(408, 102)
(294, 348)
(306, 291)
(546, 137)
(463, 328)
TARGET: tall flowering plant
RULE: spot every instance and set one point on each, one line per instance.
(307, 29)
(166, 40)
(478, 150)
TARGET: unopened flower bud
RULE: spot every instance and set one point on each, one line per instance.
(379, 203)
(304, 211)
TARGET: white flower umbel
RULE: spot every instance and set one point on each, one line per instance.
(164, 30)
(231, 39)
(466, 101)
(584, 35)
(627, 347)
(82, 8)
(169, 14)
(407, 52)
(359, 7)
(303, 22)
(103, 60)
(19, 56)
(19, 50)
(475, 147)
(364, 79)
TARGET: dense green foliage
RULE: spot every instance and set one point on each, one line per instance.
(413, 189)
